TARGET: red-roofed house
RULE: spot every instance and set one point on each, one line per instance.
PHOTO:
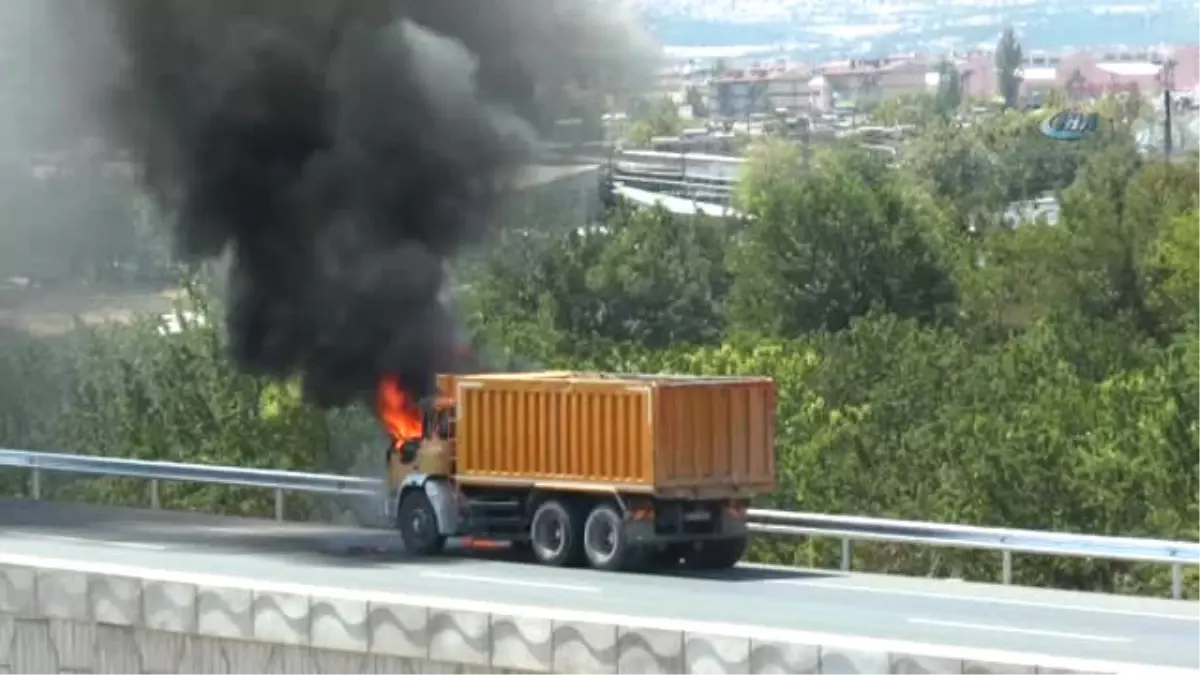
(1084, 74)
(1186, 75)
(869, 80)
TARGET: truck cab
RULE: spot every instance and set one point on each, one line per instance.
(430, 455)
(420, 471)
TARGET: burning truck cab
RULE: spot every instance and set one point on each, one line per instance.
(421, 432)
(617, 472)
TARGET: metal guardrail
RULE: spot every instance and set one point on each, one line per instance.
(270, 479)
(764, 521)
(1007, 541)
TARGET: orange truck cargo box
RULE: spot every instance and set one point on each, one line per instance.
(668, 436)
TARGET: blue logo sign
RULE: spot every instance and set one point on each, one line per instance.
(1070, 126)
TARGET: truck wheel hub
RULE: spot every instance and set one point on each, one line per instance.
(550, 534)
(602, 537)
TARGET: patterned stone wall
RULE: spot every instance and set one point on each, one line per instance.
(83, 621)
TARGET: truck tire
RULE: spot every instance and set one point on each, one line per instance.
(604, 540)
(718, 554)
(417, 523)
(556, 534)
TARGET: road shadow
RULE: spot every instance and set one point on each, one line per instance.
(744, 572)
(340, 546)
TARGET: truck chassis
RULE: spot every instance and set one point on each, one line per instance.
(602, 529)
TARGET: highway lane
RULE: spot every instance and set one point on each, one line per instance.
(1152, 631)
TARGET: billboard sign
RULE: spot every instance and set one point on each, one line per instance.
(1069, 125)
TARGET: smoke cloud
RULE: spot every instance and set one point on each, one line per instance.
(343, 151)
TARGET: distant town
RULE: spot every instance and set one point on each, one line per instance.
(716, 107)
(799, 87)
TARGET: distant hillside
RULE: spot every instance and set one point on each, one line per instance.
(829, 29)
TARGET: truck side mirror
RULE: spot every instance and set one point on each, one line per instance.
(445, 423)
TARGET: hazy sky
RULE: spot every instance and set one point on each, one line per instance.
(50, 67)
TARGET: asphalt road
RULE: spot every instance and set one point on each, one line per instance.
(1154, 632)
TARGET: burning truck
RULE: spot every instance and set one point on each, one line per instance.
(617, 472)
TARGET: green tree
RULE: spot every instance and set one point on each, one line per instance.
(916, 109)
(956, 165)
(1173, 261)
(978, 169)
(1011, 279)
(827, 245)
(1056, 99)
(1030, 164)
(1120, 110)
(1117, 213)
(1008, 67)
(660, 280)
(949, 95)
(659, 118)
(644, 276)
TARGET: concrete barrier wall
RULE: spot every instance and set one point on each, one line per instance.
(72, 617)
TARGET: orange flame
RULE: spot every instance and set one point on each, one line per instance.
(400, 415)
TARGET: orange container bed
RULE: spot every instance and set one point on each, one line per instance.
(669, 436)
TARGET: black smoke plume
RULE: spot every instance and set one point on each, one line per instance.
(343, 151)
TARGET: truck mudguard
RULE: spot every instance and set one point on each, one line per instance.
(440, 495)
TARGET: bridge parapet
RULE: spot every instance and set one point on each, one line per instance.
(80, 617)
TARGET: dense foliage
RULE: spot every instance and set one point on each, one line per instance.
(143, 391)
(933, 360)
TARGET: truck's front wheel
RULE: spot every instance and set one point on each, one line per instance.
(418, 525)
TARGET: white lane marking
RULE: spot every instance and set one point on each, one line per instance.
(993, 628)
(560, 612)
(986, 599)
(92, 542)
(510, 582)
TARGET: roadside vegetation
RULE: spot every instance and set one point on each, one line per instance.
(933, 360)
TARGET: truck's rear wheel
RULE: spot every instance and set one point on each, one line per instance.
(717, 554)
(556, 534)
(418, 525)
(604, 540)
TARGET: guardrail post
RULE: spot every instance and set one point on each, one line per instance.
(1006, 573)
(1177, 581)
(35, 483)
(154, 503)
(278, 504)
(847, 554)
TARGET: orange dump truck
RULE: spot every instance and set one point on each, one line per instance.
(613, 471)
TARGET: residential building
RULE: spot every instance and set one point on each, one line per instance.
(868, 81)
(789, 90)
(740, 93)
(1086, 74)
(855, 82)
